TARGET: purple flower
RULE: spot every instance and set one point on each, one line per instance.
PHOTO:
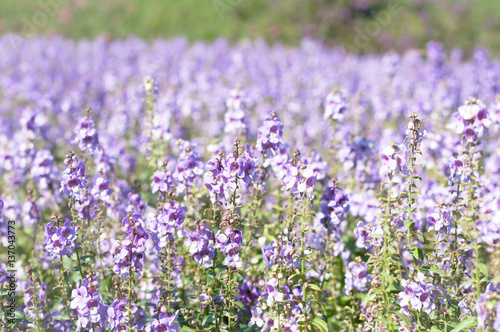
(201, 246)
(471, 120)
(393, 159)
(188, 169)
(270, 135)
(29, 301)
(335, 205)
(101, 190)
(86, 135)
(335, 106)
(162, 182)
(460, 170)
(356, 277)
(60, 240)
(88, 304)
(273, 295)
(280, 254)
(128, 254)
(417, 295)
(169, 221)
(440, 222)
(73, 177)
(165, 323)
(229, 242)
(120, 316)
(234, 117)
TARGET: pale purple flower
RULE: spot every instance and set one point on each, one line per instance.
(356, 277)
(335, 106)
(201, 246)
(165, 323)
(162, 182)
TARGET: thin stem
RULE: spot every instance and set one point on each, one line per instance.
(302, 254)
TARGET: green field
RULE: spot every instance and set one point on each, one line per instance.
(463, 23)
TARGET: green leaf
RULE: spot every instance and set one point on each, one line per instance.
(314, 287)
(433, 269)
(209, 319)
(468, 323)
(320, 324)
(483, 268)
(417, 253)
(61, 317)
(403, 317)
(187, 329)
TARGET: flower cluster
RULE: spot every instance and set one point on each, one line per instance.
(121, 313)
(86, 135)
(164, 323)
(188, 169)
(224, 176)
(334, 207)
(270, 135)
(488, 307)
(460, 169)
(335, 106)
(417, 295)
(234, 117)
(162, 182)
(472, 120)
(128, 254)
(299, 178)
(30, 301)
(393, 158)
(229, 242)
(201, 245)
(88, 304)
(440, 222)
(73, 178)
(356, 277)
(60, 241)
(169, 220)
(101, 190)
(280, 253)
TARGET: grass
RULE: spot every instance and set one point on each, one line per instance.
(461, 23)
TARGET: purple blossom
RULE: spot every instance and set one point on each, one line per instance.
(471, 120)
(101, 190)
(164, 323)
(201, 246)
(29, 299)
(86, 135)
(356, 277)
(334, 206)
(162, 182)
(335, 106)
(60, 240)
(188, 169)
(270, 135)
(273, 294)
(234, 117)
(393, 158)
(128, 254)
(440, 222)
(169, 221)
(120, 316)
(229, 242)
(417, 295)
(73, 177)
(88, 304)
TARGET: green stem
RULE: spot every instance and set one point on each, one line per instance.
(302, 253)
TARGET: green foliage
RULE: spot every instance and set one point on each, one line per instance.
(455, 23)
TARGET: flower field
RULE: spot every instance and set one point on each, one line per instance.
(175, 186)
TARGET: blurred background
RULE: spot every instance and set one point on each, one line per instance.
(363, 26)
